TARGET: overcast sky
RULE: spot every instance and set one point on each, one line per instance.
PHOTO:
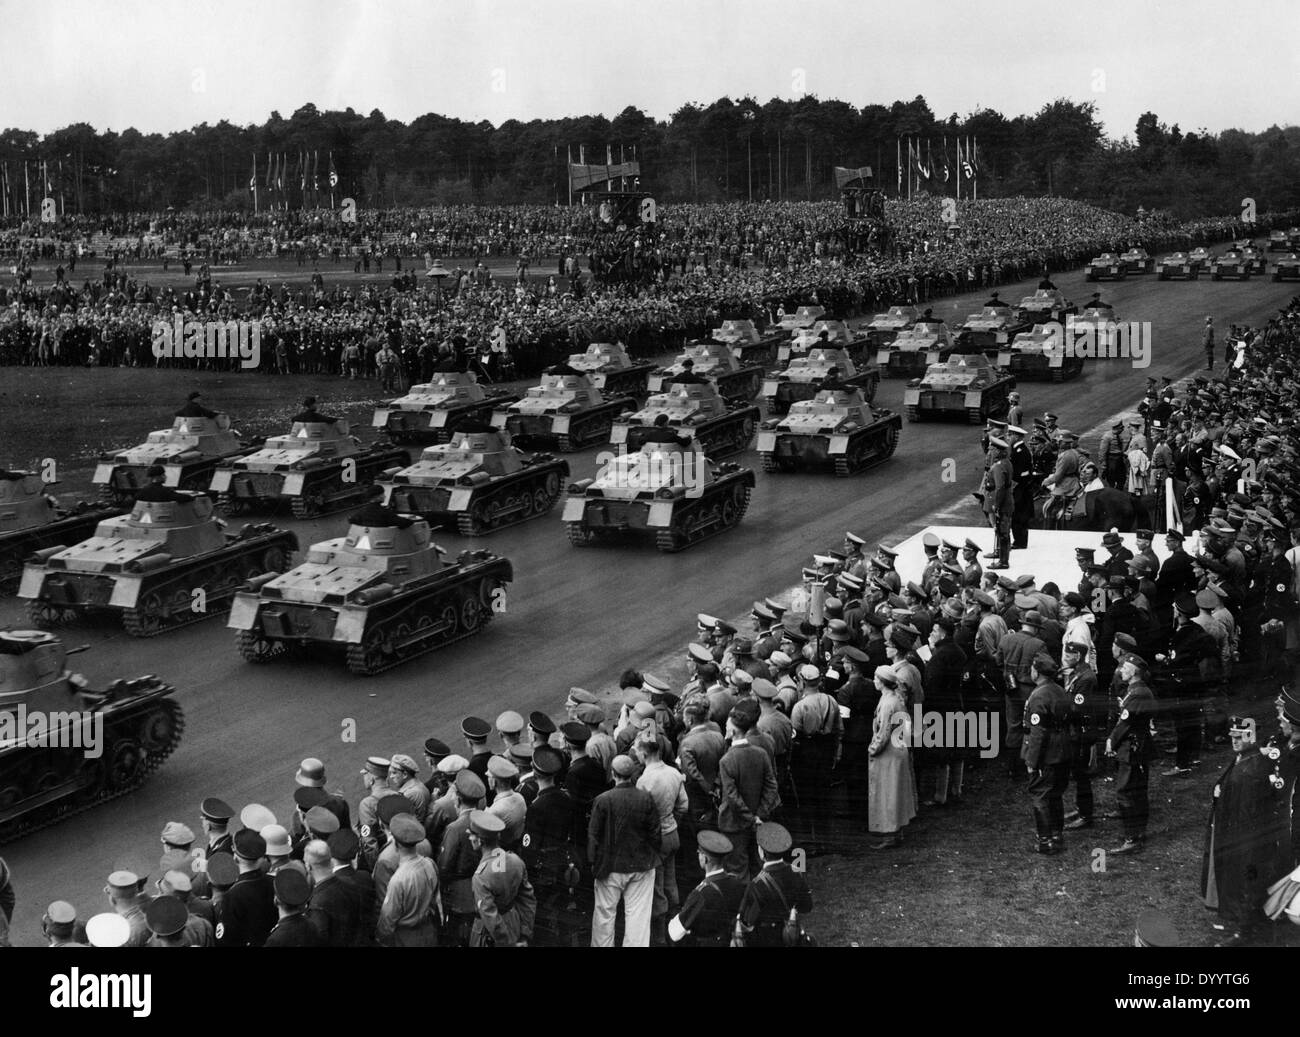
(161, 66)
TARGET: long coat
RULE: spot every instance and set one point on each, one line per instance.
(1247, 840)
(891, 792)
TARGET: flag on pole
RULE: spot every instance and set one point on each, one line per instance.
(965, 163)
(898, 161)
(946, 171)
(334, 175)
(252, 180)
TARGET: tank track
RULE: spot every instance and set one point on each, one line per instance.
(731, 435)
(844, 467)
(589, 431)
(770, 463)
(96, 794)
(311, 502)
(672, 540)
(471, 523)
(912, 412)
(579, 535)
(360, 664)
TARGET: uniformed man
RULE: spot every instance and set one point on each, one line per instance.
(476, 732)
(108, 930)
(1022, 472)
(193, 407)
(215, 817)
(1131, 742)
(166, 918)
(1144, 551)
(1188, 671)
(1015, 655)
(59, 925)
(818, 732)
(374, 777)
(457, 860)
(177, 840)
(549, 851)
(507, 803)
(293, 928)
(409, 915)
(1088, 708)
(1112, 456)
(126, 894)
(504, 898)
(1015, 412)
(775, 893)
(708, 914)
(248, 907)
(403, 776)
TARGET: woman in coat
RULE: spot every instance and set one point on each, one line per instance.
(891, 797)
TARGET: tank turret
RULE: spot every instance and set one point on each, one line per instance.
(431, 411)
(611, 370)
(693, 408)
(914, 348)
(712, 360)
(31, 520)
(747, 345)
(566, 408)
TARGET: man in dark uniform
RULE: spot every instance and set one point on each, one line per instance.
(335, 905)
(194, 408)
(293, 929)
(476, 731)
(215, 815)
(688, 375)
(999, 502)
(1022, 471)
(1144, 551)
(832, 379)
(1130, 741)
(435, 751)
(1176, 577)
(249, 911)
(1046, 285)
(1247, 841)
(707, 917)
(1088, 708)
(310, 414)
(166, 917)
(1185, 678)
(456, 863)
(1047, 752)
(774, 892)
(504, 897)
(549, 850)
(1117, 563)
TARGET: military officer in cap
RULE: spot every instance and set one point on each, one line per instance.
(1047, 752)
(1022, 472)
(549, 851)
(193, 407)
(709, 912)
(510, 728)
(1088, 708)
(476, 731)
(215, 817)
(1187, 672)
(166, 918)
(310, 414)
(248, 909)
(59, 925)
(409, 916)
(126, 894)
(507, 803)
(335, 907)
(1130, 741)
(374, 776)
(293, 929)
(1144, 551)
(435, 751)
(457, 860)
(176, 839)
(504, 898)
(818, 732)
(774, 893)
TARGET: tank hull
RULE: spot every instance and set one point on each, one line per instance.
(736, 387)
(675, 524)
(309, 491)
(912, 362)
(1040, 367)
(435, 426)
(119, 483)
(485, 508)
(788, 392)
(41, 785)
(627, 381)
(974, 407)
(567, 432)
(163, 598)
(420, 617)
(843, 454)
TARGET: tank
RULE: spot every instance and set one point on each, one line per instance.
(317, 467)
(45, 780)
(667, 488)
(1040, 353)
(566, 409)
(735, 383)
(747, 345)
(836, 428)
(1106, 267)
(189, 453)
(382, 594)
(1230, 263)
(479, 482)
(925, 343)
(803, 317)
(992, 327)
(883, 328)
(611, 370)
(804, 376)
(965, 386)
(1177, 264)
(1277, 241)
(1044, 305)
(694, 409)
(1137, 261)
(1200, 256)
(1256, 260)
(146, 566)
(1287, 268)
(31, 520)
(838, 335)
(433, 410)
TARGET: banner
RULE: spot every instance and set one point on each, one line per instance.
(582, 176)
(844, 177)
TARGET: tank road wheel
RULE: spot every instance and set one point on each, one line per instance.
(476, 521)
(147, 619)
(46, 615)
(769, 461)
(526, 505)
(450, 620)
(368, 657)
(542, 501)
(869, 393)
(274, 560)
(471, 614)
(309, 505)
(728, 513)
(401, 636)
(255, 648)
(890, 444)
(552, 486)
(975, 415)
(579, 535)
(230, 506)
(10, 797)
(913, 413)
(159, 730)
(125, 765)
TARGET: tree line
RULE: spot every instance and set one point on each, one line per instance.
(728, 150)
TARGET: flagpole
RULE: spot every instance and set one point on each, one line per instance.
(975, 183)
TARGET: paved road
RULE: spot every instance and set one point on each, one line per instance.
(576, 617)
